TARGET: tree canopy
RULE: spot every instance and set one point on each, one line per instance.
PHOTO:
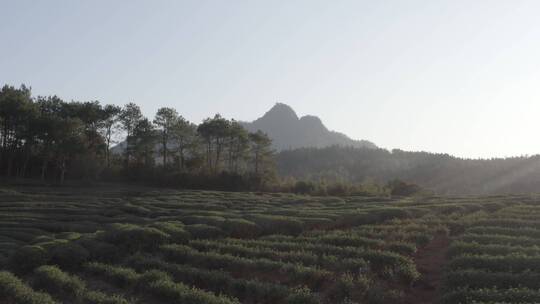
(55, 140)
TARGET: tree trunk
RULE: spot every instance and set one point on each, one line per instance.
(256, 162)
(43, 168)
(26, 160)
(208, 154)
(10, 163)
(181, 154)
(164, 152)
(108, 150)
(218, 155)
(63, 170)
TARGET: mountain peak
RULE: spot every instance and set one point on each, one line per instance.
(281, 111)
(289, 132)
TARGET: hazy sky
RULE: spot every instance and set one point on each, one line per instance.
(461, 77)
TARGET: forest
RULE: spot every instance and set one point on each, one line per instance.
(52, 140)
(441, 173)
(55, 140)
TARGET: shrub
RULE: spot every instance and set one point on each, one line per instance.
(218, 281)
(241, 228)
(402, 248)
(68, 235)
(101, 251)
(206, 220)
(120, 276)
(27, 258)
(152, 276)
(42, 239)
(97, 297)
(508, 263)
(176, 231)
(13, 290)
(302, 295)
(169, 290)
(347, 287)
(135, 238)
(272, 224)
(492, 295)
(69, 255)
(55, 281)
(202, 231)
(485, 279)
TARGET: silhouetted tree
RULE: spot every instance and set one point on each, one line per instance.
(165, 120)
(145, 139)
(214, 132)
(184, 135)
(110, 123)
(130, 117)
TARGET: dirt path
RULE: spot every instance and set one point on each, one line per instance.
(429, 261)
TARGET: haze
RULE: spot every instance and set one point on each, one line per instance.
(455, 77)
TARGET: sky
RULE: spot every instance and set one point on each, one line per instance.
(456, 77)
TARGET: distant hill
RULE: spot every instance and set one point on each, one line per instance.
(441, 173)
(288, 131)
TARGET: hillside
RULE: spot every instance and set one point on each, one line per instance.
(442, 173)
(288, 131)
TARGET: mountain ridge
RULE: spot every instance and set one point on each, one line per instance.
(288, 131)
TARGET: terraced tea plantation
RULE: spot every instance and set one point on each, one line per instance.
(105, 245)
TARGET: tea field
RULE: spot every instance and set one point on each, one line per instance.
(143, 245)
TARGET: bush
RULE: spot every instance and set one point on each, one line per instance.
(101, 251)
(241, 228)
(69, 255)
(176, 231)
(121, 276)
(13, 290)
(135, 238)
(55, 281)
(97, 297)
(218, 281)
(402, 248)
(401, 188)
(302, 295)
(27, 258)
(202, 231)
(206, 220)
(272, 224)
(373, 216)
(492, 295)
(347, 287)
(178, 292)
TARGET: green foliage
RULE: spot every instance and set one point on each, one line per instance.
(121, 276)
(134, 238)
(240, 228)
(101, 251)
(401, 188)
(69, 255)
(28, 257)
(13, 290)
(347, 286)
(492, 295)
(55, 281)
(175, 230)
(272, 224)
(302, 295)
(157, 283)
(97, 297)
(168, 290)
(236, 257)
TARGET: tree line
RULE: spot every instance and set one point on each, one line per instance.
(51, 139)
(441, 173)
